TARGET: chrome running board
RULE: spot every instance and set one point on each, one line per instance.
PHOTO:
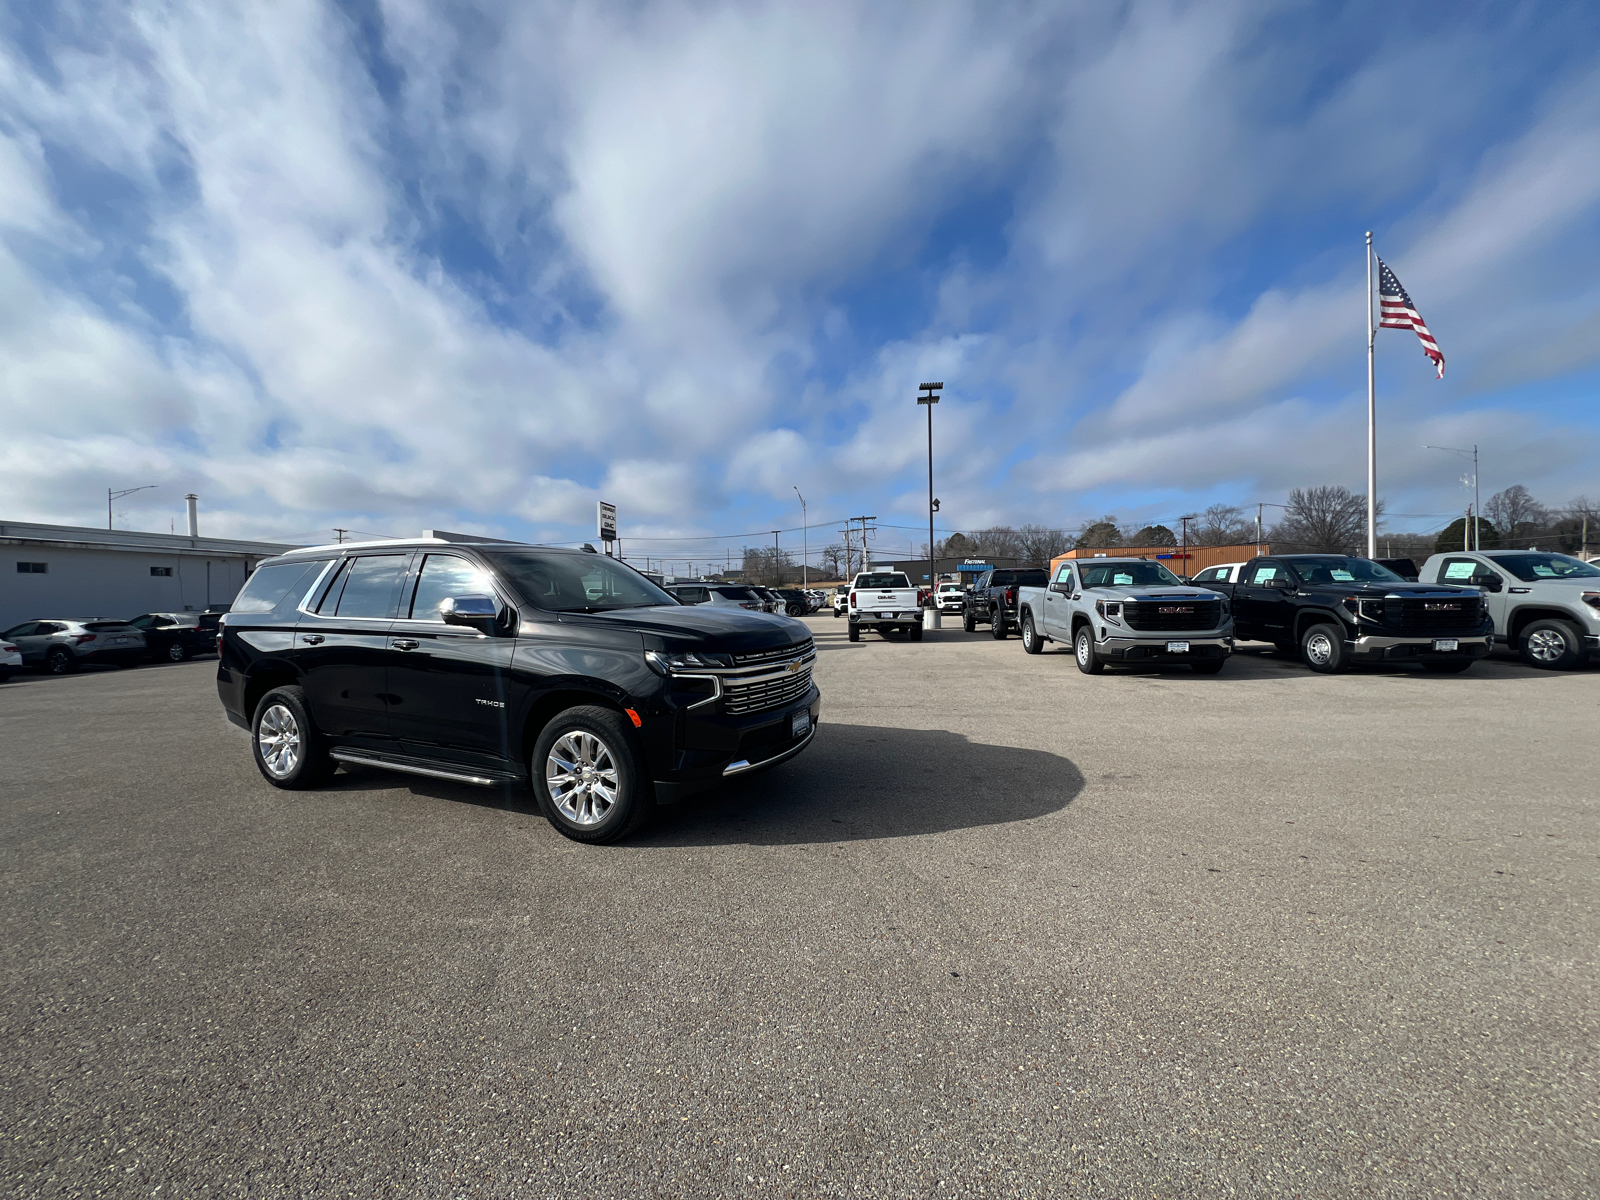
(410, 768)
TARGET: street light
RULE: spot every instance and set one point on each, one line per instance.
(110, 496)
(930, 397)
(805, 541)
(1476, 544)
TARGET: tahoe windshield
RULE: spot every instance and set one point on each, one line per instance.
(886, 580)
(1338, 569)
(1128, 574)
(577, 582)
(1530, 568)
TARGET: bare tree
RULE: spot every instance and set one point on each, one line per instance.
(1516, 513)
(762, 566)
(1323, 520)
(1223, 525)
(1040, 544)
(833, 561)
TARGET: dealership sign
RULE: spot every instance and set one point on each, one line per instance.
(608, 522)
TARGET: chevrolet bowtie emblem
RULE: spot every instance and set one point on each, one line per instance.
(794, 666)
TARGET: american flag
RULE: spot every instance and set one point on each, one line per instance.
(1397, 312)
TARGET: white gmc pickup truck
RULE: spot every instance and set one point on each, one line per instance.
(884, 601)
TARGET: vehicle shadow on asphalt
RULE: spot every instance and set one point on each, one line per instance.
(864, 781)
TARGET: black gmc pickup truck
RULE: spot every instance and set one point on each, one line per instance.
(498, 664)
(1333, 610)
(993, 598)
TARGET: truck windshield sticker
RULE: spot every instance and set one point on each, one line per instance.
(1064, 575)
(1263, 574)
(1122, 579)
(1459, 570)
(1342, 576)
(1543, 571)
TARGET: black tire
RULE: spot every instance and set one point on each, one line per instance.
(837, 614)
(916, 633)
(60, 661)
(1322, 649)
(968, 621)
(1089, 662)
(4, 675)
(997, 625)
(177, 652)
(796, 610)
(1551, 645)
(290, 751)
(1447, 668)
(1208, 668)
(855, 632)
(601, 747)
(1031, 641)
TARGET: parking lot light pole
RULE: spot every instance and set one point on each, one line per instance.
(777, 571)
(930, 397)
(805, 542)
(1476, 507)
(111, 495)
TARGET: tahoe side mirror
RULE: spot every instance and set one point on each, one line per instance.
(476, 612)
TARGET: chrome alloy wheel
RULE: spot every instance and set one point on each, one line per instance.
(1319, 649)
(278, 738)
(1546, 645)
(1083, 648)
(582, 777)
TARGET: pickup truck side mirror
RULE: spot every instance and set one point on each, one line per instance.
(1489, 582)
(475, 612)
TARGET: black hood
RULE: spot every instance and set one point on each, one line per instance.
(707, 627)
(1377, 589)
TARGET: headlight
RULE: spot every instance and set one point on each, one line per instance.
(1111, 610)
(681, 662)
(1366, 610)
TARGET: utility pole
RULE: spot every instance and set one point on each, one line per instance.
(339, 534)
(930, 397)
(1184, 523)
(111, 495)
(1476, 542)
(1258, 530)
(777, 571)
(805, 541)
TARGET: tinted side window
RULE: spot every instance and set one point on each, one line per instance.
(443, 576)
(275, 585)
(370, 585)
(1267, 573)
(23, 630)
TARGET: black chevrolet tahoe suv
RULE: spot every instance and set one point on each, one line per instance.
(496, 664)
(1332, 611)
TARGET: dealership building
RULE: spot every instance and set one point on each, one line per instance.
(71, 571)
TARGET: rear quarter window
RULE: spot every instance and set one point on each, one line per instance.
(277, 585)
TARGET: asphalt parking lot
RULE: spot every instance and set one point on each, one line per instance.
(1005, 930)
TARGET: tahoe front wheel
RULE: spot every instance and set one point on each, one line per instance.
(287, 747)
(587, 778)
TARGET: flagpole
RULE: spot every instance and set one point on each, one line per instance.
(1372, 420)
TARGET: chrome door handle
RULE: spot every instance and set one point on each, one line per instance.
(406, 643)
(312, 639)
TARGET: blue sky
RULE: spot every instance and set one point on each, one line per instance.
(389, 266)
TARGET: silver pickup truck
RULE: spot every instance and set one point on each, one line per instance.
(1127, 610)
(1546, 606)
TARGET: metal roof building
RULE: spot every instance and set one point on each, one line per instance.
(72, 571)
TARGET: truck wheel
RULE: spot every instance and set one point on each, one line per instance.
(1031, 642)
(587, 777)
(916, 633)
(1088, 661)
(287, 748)
(855, 633)
(997, 625)
(1322, 648)
(968, 621)
(1551, 645)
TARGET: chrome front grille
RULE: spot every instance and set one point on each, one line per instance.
(767, 679)
(739, 699)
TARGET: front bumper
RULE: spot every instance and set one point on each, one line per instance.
(1120, 648)
(1591, 641)
(1376, 648)
(712, 746)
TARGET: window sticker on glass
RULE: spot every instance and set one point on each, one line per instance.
(1543, 572)
(1460, 570)
(1122, 579)
(1342, 576)
(1265, 574)
(1064, 575)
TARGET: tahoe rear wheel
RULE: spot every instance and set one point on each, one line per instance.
(1551, 645)
(587, 777)
(1083, 647)
(1030, 638)
(286, 745)
(1322, 648)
